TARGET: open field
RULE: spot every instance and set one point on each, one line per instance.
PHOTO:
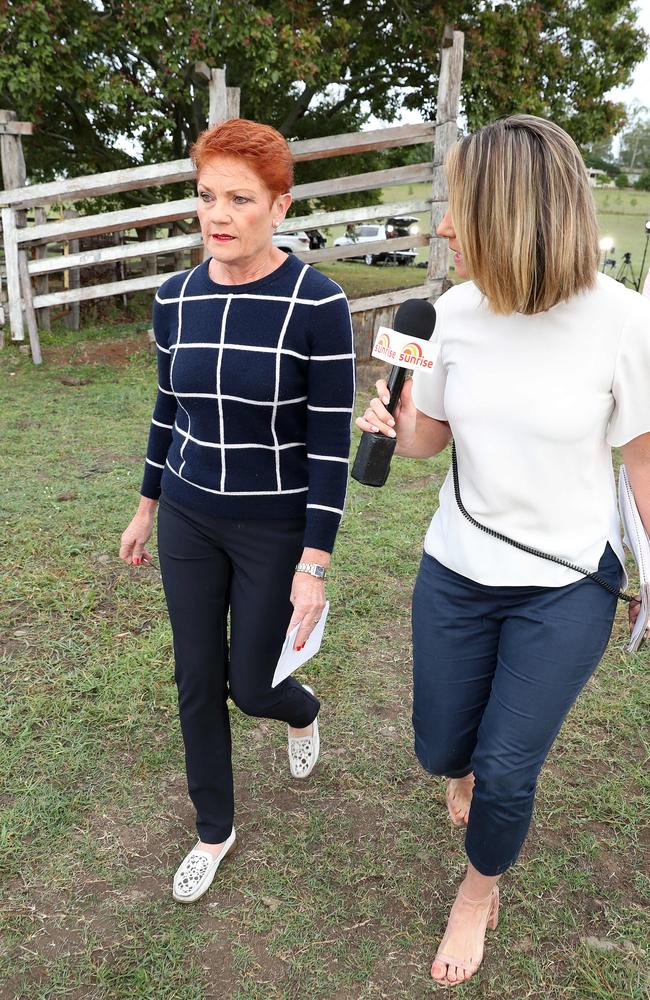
(341, 884)
(622, 215)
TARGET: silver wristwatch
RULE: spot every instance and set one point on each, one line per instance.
(313, 569)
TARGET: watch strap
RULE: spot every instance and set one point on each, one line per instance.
(314, 569)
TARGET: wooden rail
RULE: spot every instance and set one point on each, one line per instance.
(169, 211)
(133, 251)
(110, 222)
(357, 250)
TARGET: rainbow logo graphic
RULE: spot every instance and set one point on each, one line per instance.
(383, 342)
(412, 352)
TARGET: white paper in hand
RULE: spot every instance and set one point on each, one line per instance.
(290, 658)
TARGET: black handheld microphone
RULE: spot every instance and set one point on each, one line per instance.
(415, 318)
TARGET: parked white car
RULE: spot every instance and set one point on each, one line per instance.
(291, 242)
(370, 232)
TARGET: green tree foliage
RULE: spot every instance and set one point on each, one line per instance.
(89, 73)
(591, 160)
(622, 181)
(643, 183)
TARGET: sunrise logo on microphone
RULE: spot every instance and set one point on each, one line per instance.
(382, 347)
(413, 356)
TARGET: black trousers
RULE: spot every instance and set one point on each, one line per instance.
(212, 567)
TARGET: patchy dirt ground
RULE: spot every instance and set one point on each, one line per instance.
(97, 352)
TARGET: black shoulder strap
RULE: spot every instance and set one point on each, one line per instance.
(526, 548)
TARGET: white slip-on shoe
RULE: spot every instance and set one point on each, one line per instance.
(304, 750)
(196, 871)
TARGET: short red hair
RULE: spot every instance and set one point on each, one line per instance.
(262, 148)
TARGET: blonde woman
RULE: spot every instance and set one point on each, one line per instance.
(544, 365)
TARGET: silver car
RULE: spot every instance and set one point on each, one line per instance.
(291, 242)
(371, 232)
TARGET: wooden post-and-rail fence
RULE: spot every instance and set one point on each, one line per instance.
(28, 262)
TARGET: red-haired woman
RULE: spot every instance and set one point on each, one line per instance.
(247, 462)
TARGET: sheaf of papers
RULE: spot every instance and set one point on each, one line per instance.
(290, 659)
(637, 541)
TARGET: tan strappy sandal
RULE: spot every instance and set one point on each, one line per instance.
(468, 965)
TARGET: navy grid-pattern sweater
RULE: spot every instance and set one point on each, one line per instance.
(255, 396)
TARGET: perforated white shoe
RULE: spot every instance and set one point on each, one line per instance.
(197, 870)
(304, 750)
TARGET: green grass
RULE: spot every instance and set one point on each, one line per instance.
(358, 279)
(341, 884)
(622, 215)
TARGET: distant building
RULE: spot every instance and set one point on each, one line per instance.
(599, 178)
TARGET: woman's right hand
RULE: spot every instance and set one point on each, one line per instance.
(138, 533)
(376, 418)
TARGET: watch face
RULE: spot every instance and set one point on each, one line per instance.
(312, 568)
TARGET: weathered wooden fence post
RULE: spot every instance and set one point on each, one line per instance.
(71, 279)
(224, 103)
(19, 286)
(41, 283)
(451, 74)
(13, 176)
(150, 262)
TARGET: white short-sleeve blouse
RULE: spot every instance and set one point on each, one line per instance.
(535, 404)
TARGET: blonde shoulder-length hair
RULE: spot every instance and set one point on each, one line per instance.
(522, 209)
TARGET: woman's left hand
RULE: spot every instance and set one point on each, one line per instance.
(308, 599)
(633, 609)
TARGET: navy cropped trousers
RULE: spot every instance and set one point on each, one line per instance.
(496, 669)
(215, 570)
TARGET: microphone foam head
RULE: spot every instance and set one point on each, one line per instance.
(416, 318)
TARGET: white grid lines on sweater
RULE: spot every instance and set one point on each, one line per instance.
(171, 367)
(330, 409)
(354, 389)
(250, 295)
(233, 399)
(243, 445)
(278, 359)
(242, 493)
(224, 319)
(222, 345)
(254, 349)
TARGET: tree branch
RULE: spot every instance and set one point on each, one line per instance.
(298, 110)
